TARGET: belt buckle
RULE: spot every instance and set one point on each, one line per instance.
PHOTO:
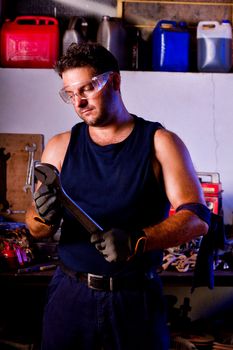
(91, 278)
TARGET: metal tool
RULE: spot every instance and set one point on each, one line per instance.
(49, 175)
(29, 177)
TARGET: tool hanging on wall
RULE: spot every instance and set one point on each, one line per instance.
(17, 180)
(29, 183)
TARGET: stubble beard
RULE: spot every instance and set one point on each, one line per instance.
(96, 118)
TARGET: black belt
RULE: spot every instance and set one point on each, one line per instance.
(104, 283)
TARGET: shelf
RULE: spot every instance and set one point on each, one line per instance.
(221, 278)
(145, 14)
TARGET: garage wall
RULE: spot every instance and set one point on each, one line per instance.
(197, 106)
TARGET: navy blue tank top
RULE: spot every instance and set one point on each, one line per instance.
(115, 184)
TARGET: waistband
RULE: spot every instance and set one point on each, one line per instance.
(135, 280)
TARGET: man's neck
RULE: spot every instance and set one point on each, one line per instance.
(113, 132)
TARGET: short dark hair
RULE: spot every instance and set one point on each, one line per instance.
(91, 55)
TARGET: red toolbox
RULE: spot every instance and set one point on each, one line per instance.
(30, 42)
(212, 189)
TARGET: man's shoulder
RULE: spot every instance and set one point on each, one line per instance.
(61, 137)
(55, 149)
(65, 135)
(168, 142)
(166, 135)
(58, 141)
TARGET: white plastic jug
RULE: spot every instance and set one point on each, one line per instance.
(214, 46)
(73, 35)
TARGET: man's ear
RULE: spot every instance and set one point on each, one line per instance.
(116, 81)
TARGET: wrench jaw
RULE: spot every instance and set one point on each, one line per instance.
(49, 175)
(46, 173)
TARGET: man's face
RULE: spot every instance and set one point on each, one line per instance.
(95, 109)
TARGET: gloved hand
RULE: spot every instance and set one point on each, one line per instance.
(47, 204)
(116, 244)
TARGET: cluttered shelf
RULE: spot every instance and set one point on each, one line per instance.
(221, 278)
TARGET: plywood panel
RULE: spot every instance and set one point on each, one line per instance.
(14, 152)
(148, 14)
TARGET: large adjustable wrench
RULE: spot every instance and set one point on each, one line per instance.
(49, 175)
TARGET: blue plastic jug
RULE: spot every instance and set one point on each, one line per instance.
(170, 47)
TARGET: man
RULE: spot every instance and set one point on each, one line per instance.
(124, 172)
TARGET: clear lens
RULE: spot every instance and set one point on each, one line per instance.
(84, 90)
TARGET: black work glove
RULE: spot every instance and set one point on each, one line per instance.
(47, 204)
(118, 245)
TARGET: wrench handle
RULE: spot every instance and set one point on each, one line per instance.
(85, 220)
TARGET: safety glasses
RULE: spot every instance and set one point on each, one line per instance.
(84, 90)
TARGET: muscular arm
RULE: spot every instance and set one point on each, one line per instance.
(181, 186)
(54, 154)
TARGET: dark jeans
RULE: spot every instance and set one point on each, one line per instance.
(79, 318)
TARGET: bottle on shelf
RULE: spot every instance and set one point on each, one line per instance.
(140, 53)
(214, 46)
(170, 47)
(75, 33)
(113, 36)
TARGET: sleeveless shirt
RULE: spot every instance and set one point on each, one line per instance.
(116, 186)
